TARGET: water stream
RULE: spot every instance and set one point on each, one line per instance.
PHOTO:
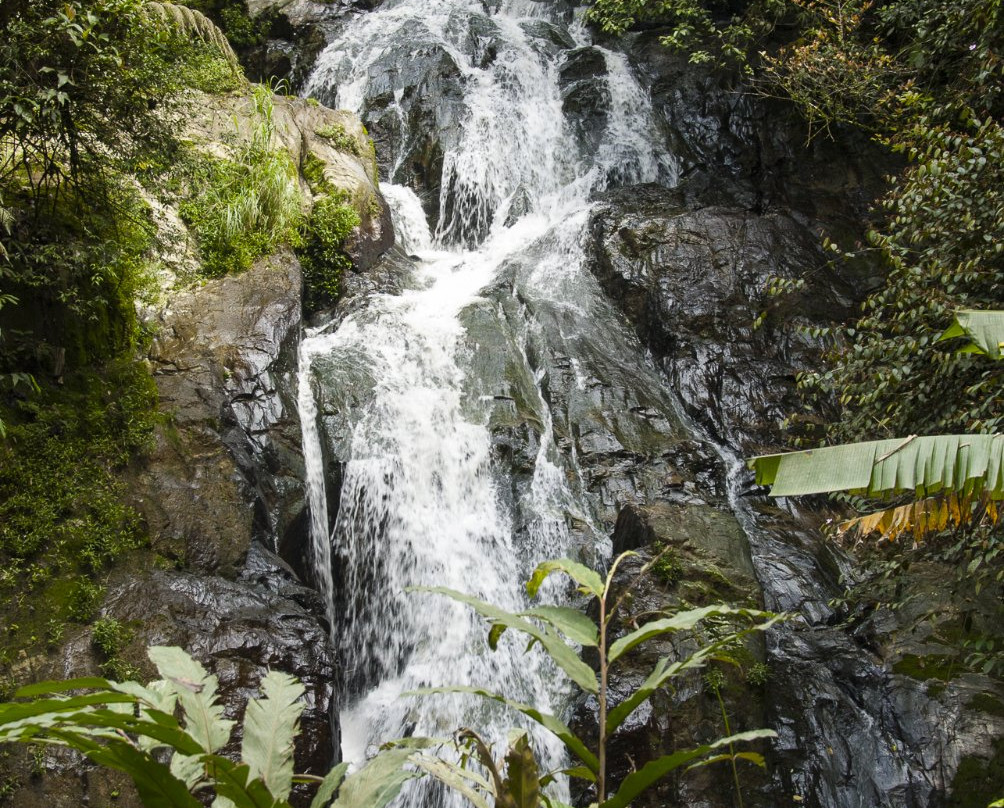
(414, 399)
(449, 421)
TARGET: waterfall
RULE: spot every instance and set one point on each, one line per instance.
(498, 411)
(410, 401)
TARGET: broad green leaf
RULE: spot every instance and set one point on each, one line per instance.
(378, 782)
(571, 622)
(17, 711)
(196, 691)
(46, 688)
(562, 654)
(269, 729)
(546, 720)
(522, 779)
(329, 785)
(636, 782)
(920, 465)
(452, 776)
(681, 621)
(589, 581)
(984, 328)
(157, 787)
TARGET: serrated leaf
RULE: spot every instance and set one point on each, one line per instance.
(270, 727)
(590, 581)
(196, 691)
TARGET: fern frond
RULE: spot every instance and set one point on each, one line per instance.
(190, 22)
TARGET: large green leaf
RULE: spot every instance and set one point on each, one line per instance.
(234, 782)
(269, 728)
(378, 782)
(985, 330)
(196, 691)
(13, 712)
(636, 782)
(589, 581)
(562, 654)
(546, 720)
(681, 621)
(47, 688)
(571, 622)
(329, 785)
(157, 787)
(921, 465)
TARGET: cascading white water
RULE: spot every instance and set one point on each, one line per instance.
(421, 500)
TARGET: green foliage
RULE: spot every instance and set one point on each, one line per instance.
(553, 628)
(63, 518)
(243, 30)
(245, 207)
(85, 597)
(341, 139)
(75, 273)
(322, 252)
(944, 246)
(78, 84)
(178, 718)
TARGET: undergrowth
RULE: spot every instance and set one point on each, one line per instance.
(63, 515)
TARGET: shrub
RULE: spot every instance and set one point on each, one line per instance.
(322, 251)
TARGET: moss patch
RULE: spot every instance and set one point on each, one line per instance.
(978, 781)
(63, 517)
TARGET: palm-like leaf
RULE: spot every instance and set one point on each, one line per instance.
(966, 464)
(984, 329)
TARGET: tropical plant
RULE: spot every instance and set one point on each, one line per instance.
(956, 480)
(557, 629)
(134, 729)
(168, 735)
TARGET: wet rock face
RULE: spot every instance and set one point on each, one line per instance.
(693, 280)
(737, 148)
(856, 713)
(230, 466)
(239, 630)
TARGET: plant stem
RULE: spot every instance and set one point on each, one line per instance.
(601, 781)
(732, 751)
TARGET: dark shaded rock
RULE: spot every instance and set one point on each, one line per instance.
(230, 464)
(738, 148)
(692, 281)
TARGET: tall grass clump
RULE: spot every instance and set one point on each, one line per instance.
(243, 208)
